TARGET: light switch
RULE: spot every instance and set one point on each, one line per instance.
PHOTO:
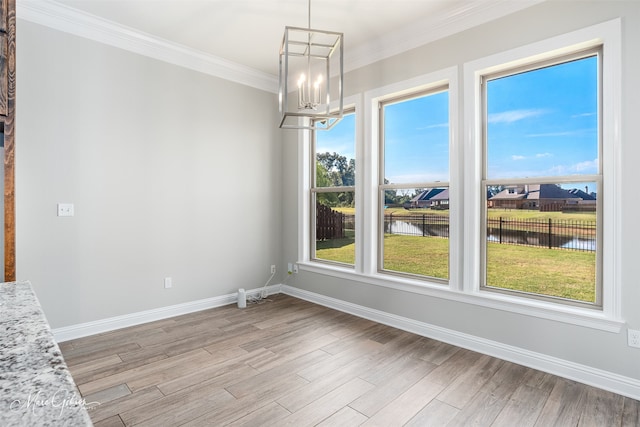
(65, 209)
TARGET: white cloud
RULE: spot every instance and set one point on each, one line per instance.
(541, 155)
(586, 167)
(589, 165)
(514, 115)
(515, 157)
(564, 133)
(575, 116)
(419, 177)
(438, 125)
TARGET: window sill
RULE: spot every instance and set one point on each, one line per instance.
(578, 316)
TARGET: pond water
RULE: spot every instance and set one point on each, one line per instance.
(513, 237)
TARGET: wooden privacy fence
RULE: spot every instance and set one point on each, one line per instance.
(329, 223)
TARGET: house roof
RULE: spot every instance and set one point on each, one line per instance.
(552, 191)
(582, 194)
(428, 194)
(536, 192)
(443, 195)
(509, 194)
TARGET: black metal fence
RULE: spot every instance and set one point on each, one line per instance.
(417, 225)
(561, 234)
(565, 234)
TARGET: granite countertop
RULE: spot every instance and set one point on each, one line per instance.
(36, 388)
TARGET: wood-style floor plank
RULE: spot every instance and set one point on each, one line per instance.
(564, 405)
(114, 421)
(602, 408)
(290, 362)
(107, 410)
(344, 417)
(630, 413)
(325, 406)
(436, 413)
(396, 383)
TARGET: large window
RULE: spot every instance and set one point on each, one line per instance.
(333, 193)
(542, 178)
(505, 194)
(414, 184)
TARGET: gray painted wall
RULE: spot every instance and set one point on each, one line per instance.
(595, 348)
(162, 163)
(172, 173)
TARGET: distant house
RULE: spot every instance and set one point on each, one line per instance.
(584, 195)
(587, 202)
(428, 198)
(441, 200)
(543, 197)
(512, 197)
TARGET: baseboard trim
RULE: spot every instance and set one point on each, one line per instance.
(606, 380)
(72, 332)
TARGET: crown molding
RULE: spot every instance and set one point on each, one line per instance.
(467, 15)
(73, 21)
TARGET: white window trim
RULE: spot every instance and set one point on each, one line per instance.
(304, 190)
(465, 165)
(607, 34)
(447, 77)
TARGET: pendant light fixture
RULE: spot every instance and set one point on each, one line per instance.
(307, 98)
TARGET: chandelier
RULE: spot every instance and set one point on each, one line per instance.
(308, 58)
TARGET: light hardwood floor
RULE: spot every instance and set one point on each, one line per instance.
(291, 362)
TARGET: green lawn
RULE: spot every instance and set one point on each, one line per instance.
(552, 272)
(426, 256)
(338, 250)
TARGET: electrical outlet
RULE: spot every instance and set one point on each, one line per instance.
(273, 269)
(167, 282)
(65, 209)
(295, 268)
(634, 338)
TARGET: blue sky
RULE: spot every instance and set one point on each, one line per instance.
(544, 122)
(340, 139)
(540, 123)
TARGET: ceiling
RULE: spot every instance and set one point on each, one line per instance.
(249, 32)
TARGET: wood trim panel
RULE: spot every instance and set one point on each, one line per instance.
(9, 149)
(3, 15)
(4, 79)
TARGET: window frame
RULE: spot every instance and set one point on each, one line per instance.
(432, 89)
(509, 70)
(606, 35)
(314, 190)
(466, 173)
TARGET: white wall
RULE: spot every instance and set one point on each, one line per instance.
(594, 348)
(172, 173)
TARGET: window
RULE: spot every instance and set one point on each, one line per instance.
(543, 179)
(517, 210)
(414, 187)
(333, 192)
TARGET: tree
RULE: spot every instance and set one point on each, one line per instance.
(492, 190)
(390, 196)
(334, 170)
